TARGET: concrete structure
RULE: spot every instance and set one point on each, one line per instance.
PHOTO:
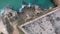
(45, 24)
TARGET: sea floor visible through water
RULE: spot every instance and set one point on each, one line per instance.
(16, 4)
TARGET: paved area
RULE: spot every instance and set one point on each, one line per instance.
(49, 24)
(39, 27)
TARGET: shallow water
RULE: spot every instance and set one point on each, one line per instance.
(16, 4)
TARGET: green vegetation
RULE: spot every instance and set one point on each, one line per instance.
(9, 27)
(16, 4)
(20, 31)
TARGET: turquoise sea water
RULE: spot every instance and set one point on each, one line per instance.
(42, 3)
(16, 4)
